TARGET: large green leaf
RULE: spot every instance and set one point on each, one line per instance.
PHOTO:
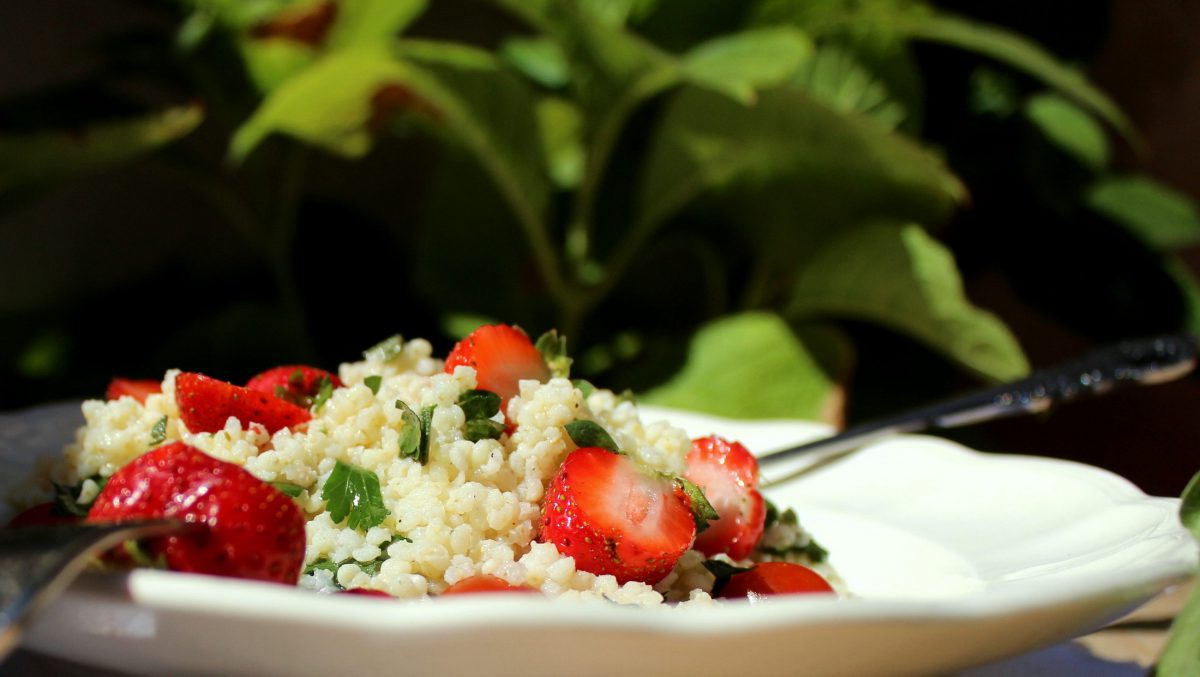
(1070, 128)
(362, 21)
(755, 365)
(835, 78)
(1181, 658)
(821, 168)
(901, 278)
(1017, 52)
(742, 63)
(38, 157)
(1159, 216)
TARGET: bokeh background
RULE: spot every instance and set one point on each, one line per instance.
(833, 209)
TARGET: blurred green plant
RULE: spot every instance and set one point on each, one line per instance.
(701, 196)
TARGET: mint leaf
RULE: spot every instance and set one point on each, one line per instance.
(410, 434)
(702, 510)
(479, 404)
(483, 429)
(288, 488)
(585, 387)
(159, 432)
(353, 494)
(386, 350)
(554, 351)
(590, 434)
(426, 424)
(324, 392)
(722, 571)
(373, 382)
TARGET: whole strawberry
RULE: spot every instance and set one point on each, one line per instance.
(617, 517)
(245, 527)
(502, 356)
(206, 403)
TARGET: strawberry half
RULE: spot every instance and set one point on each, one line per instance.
(775, 578)
(295, 383)
(248, 529)
(484, 583)
(728, 475)
(502, 356)
(206, 403)
(616, 517)
(138, 389)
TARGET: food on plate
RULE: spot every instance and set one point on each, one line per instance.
(412, 476)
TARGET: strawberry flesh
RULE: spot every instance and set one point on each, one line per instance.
(138, 389)
(245, 528)
(206, 403)
(615, 517)
(501, 356)
(484, 583)
(728, 475)
(295, 383)
(775, 578)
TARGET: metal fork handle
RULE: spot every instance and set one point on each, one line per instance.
(38, 563)
(1144, 361)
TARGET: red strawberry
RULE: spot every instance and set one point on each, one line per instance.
(774, 578)
(42, 514)
(616, 517)
(728, 475)
(484, 583)
(295, 383)
(138, 389)
(501, 356)
(205, 403)
(248, 529)
(366, 592)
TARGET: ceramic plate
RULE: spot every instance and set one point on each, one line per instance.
(953, 557)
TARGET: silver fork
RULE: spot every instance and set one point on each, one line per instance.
(38, 563)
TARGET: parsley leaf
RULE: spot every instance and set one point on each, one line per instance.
(353, 494)
(288, 488)
(554, 352)
(410, 433)
(324, 392)
(159, 432)
(479, 404)
(483, 429)
(386, 350)
(702, 510)
(426, 424)
(585, 387)
(373, 382)
(589, 434)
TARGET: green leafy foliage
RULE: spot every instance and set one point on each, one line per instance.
(289, 489)
(1182, 654)
(410, 432)
(386, 350)
(1161, 217)
(373, 382)
(899, 277)
(722, 571)
(586, 433)
(324, 392)
(353, 494)
(1070, 128)
(702, 511)
(743, 63)
(553, 349)
(754, 365)
(479, 407)
(158, 433)
(835, 78)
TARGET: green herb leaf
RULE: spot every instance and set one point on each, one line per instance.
(589, 434)
(426, 425)
(772, 511)
(740, 63)
(159, 432)
(585, 387)
(288, 488)
(324, 392)
(1161, 217)
(554, 351)
(702, 510)
(66, 501)
(479, 404)
(323, 565)
(539, 59)
(410, 433)
(1070, 128)
(722, 571)
(483, 429)
(353, 494)
(386, 350)
(373, 382)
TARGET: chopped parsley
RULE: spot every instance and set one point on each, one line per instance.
(554, 352)
(702, 510)
(158, 433)
(369, 568)
(585, 387)
(410, 432)
(479, 406)
(386, 350)
(589, 434)
(324, 392)
(373, 382)
(288, 488)
(353, 494)
(426, 425)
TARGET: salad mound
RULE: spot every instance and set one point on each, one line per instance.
(413, 476)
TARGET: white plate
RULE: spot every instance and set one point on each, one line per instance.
(955, 558)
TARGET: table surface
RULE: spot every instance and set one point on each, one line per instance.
(1127, 648)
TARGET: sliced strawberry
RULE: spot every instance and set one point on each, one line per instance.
(728, 475)
(616, 517)
(775, 578)
(42, 515)
(295, 383)
(247, 528)
(138, 389)
(366, 592)
(206, 403)
(484, 583)
(501, 356)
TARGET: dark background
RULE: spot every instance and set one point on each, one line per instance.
(127, 272)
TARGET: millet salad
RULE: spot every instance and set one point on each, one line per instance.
(405, 475)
